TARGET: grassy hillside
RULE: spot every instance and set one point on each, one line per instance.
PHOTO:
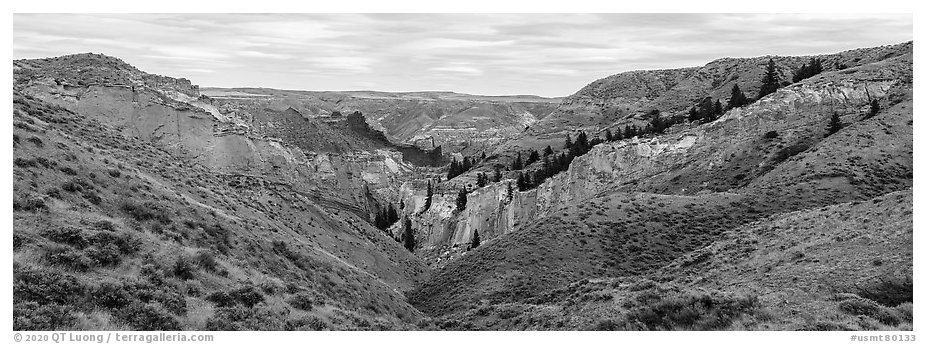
(844, 267)
(111, 232)
(659, 207)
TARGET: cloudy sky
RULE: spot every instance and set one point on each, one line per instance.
(542, 54)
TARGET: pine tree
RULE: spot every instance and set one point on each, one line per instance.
(547, 151)
(657, 123)
(409, 236)
(834, 125)
(737, 98)
(582, 142)
(771, 80)
(873, 109)
(474, 243)
(481, 179)
(392, 215)
(539, 176)
(378, 220)
(517, 164)
(706, 109)
(454, 169)
(498, 175)
(427, 200)
(532, 157)
(461, 199)
(693, 115)
(483, 157)
(510, 192)
(608, 135)
(568, 144)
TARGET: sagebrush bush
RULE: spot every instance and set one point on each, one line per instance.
(36, 141)
(111, 295)
(685, 311)
(66, 235)
(148, 317)
(241, 319)
(869, 308)
(889, 291)
(304, 301)
(70, 258)
(246, 296)
(206, 261)
(29, 203)
(146, 211)
(31, 316)
(183, 268)
(307, 323)
(45, 286)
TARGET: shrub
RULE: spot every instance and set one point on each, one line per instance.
(69, 257)
(66, 235)
(688, 311)
(308, 323)
(206, 260)
(238, 318)
(93, 197)
(45, 287)
(125, 242)
(304, 301)
(247, 296)
(54, 192)
(18, 240)
(73, 186)
(183, 268)
(890, 291)
(221, 299)
(869, 308)
(770, 135)
(104, 225)
(31, 316)
(904, 312)
(606, 325)
(104, 255)
(69, 171)
(36, 141)
(24, 163)
(30, 203)
(148, 317)
(114, 173)
(228, 318)
(152, 273)
(788, 152)
(111, 295)
(146, 211)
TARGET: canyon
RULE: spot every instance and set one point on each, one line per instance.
(254, 208)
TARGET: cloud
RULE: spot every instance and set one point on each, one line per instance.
(544, 54)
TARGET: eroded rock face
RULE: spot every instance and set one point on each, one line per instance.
(685, 162)
(228, 145)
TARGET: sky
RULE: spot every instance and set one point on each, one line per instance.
(488, 54)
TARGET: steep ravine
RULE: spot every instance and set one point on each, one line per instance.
(662, 164)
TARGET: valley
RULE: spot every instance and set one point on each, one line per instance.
(145, 202)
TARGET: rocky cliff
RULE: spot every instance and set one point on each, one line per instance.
(733, 154)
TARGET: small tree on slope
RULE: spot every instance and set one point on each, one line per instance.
(771, 81)
(834, 125)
